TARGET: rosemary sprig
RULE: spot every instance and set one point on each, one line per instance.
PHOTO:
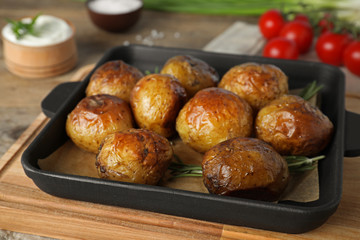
(310, 90)
(302, 163)
(180, 169)
(20, 28)
(295, 164)
(156, 70)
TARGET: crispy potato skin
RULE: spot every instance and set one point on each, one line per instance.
(96, 116)
(245, 167)
(193, 73)
(114, 78)
(293, 126)
(258, 84)
(135, 155)
(156, 101)
(213, 115)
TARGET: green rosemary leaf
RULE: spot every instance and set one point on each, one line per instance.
(156, 70)
(187, 175)
(310, 90)
(302, 163)
(295, 164)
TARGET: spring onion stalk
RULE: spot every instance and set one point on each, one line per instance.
(20, 28)
(244, 7)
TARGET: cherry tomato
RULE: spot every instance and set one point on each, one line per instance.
(302, 17)
(271, 23)
(300, 32)
(352, 57)
(280, 47)
(330, 47)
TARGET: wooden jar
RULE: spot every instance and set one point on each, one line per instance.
(41, 61)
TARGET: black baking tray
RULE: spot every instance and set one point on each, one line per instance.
(285, 216)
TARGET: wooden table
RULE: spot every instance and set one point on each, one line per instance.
(40, 214)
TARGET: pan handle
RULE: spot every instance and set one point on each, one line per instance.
(53, 101)
(352, 134)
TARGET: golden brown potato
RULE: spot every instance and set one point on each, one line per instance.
(213, 115)
(135, 155)
(114, 78)
(193, 73)
(156, 101)
(96, 116)
(245, 167)
(258, 84)
(293, 126)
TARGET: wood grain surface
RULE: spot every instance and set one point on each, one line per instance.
(27, 209)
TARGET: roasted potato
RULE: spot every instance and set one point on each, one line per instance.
(258, 84)
(156, 101)
(114, 78)
(96, 116)
(135, 155)
(213, 115)
(193, 73)
(293, 126)
(245, 167)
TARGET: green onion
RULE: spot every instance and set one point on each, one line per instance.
(20, 29)
(236, 7)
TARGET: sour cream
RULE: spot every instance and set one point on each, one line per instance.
(48, 29)
(114, 6)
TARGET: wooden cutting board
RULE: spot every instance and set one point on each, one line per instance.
(25, 208)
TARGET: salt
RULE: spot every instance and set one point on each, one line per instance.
(114, 6)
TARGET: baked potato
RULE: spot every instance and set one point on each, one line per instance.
(114, 78)
(96, 116)
(156, 101)
(213, 115)
(258, 84)
(134, 155)
(293, 126)
(193, 73)
(245, 167)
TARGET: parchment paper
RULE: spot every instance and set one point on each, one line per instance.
(240, 38)
(70, 159)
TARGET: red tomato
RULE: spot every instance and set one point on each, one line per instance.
(300, 32)
(302, 17)
(280, 47)
(271, 23)
(352, 57)
(330, 47)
